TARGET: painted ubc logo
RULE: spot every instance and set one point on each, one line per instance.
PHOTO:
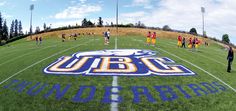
(120, 62)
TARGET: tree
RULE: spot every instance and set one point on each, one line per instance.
(20, 28)
(1, 29)
(37, 30)
(112, 25)
(140, 24)
(90, 24)
(5, 31)
(44, 26)
(225, 38)
(130, 25)
(166, 28)
(100, 22)
(84, 22)
(16, 33)
(12, 29)
(193, 31)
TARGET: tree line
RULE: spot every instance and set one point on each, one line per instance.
(6, 33)
(16, 28)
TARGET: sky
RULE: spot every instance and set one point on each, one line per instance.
(183, 15)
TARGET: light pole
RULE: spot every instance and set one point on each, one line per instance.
(203, 22)
(31, 11)
(117, 18)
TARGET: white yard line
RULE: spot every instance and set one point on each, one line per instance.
(17, 73)
(17, 57)
(114, 105)
(207, 57)
(210, 74)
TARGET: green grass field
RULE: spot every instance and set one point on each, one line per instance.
(24, 61)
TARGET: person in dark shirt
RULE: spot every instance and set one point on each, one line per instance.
(183, 42)
(194, 43)
(230, 58)
(37, 40)
(63, 37)
(40, 40)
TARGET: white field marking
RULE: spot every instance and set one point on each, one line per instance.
(114, 105)
(72, 63)
(16, 50)
(198, 68)
(25, 55)
(15, 74)
(208, 58)
(95, 63)
(121, 66)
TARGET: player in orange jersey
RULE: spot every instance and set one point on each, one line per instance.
(154, 36)
(148, 38)
(179, 41)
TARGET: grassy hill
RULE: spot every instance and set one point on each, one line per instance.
(25, 87)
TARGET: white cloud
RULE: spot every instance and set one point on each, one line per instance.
(82, 1)
(184, 14)
(6, 16)
(66, 23)
(3, 3)
(78, 11)
(141, 3)
(133, 14)
(33, 0)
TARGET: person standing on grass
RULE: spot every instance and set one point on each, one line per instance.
(148, 38)
(194, 43)
(37, 40)
(190, 43)
(75, 36)
(63, 37)
(154, 36)
(230, 58)
(179, 41)
(105, 38)
(40, 40)
(108, 35)
(183, 42)
(197, 43)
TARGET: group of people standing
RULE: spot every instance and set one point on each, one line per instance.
(151, 38)
(192, 43)
(195, 42)
(74, 36)
(38, 40)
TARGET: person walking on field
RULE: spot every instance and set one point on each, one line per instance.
(183, 42)
(190, 43)
(37, 40)
(63, 36)
(230, 58)
(40, 40)
(148, 38)
(108, 36)
(179, 41)
(154, 36)
(105, 38)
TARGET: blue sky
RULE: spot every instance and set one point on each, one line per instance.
(178, 14)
